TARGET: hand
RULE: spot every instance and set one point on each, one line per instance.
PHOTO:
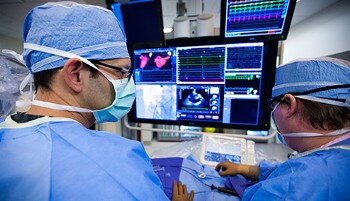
(227, 168)
(180, 192)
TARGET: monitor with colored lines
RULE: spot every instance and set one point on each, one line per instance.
(221, 85)
(256, 19)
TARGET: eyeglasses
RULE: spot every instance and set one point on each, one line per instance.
(126, 72)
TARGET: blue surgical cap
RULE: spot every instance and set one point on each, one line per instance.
(304, 75)
(91, 32)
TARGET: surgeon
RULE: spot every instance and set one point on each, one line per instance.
(78, 57)
(311, 114)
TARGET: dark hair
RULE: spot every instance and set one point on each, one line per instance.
(325, 116)
(43, 79)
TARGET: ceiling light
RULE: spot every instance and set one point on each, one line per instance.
(167, 30)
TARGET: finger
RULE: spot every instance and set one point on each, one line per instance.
(223, 173)
(191, 195)
(175, 187)
(179, 186)
(218, 167)
(185, 190)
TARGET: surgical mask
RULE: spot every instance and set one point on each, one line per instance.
(279, 135)
(274, 126)
(124, 91)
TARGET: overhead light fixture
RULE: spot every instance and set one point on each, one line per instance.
(168, 30)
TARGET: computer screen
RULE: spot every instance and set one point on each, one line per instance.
(221, 85)
(142, 21)
(256, 19)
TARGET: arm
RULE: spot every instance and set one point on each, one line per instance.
(180, 192)
(228, 168)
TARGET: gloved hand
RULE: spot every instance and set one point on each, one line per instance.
(228, 168)
(180, 192)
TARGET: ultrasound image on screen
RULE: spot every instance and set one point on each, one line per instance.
(193, 98)
(199, 103)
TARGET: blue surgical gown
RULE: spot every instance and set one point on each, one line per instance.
(320, 175)
(59, 159)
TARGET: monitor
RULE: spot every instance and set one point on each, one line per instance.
(220, 85)
(256, 20)
(142, 21)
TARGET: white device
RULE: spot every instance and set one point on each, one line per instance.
(220, 148)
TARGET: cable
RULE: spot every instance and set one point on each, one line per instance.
(224, 190)
(212, 186)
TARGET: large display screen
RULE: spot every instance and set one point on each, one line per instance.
(221, 85)
(256, 19)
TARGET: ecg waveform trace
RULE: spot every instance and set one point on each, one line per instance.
(156, 76)
(256, 15)
(244, 58)
(201, 64)
(242, 84)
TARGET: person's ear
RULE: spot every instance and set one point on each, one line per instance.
(292, 103)
(73, 71)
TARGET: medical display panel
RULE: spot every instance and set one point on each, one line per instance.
(256, 19)
(202, 85)
(219, 148)
(142, 22)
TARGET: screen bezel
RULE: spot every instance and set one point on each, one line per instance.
(268, 78)
(267, 37)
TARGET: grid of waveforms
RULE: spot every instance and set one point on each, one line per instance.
(201, 64)
(244, 58)
(243, 70)
(253, 17)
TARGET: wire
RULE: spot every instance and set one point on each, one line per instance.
(212, 186)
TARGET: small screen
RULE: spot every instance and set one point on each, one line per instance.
(200, 85)
(217, 149)
(257, 18)
(142, 21)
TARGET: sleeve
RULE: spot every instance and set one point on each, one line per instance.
(293, 180)
(266, 168)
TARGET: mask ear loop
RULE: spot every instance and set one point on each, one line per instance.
(28, 97)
